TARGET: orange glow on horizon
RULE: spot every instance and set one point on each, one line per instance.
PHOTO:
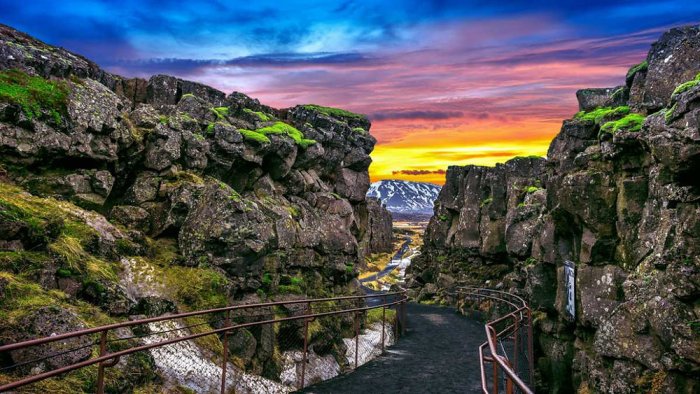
(422, 155)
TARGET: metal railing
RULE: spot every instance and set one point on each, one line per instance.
(508, 347)
(306, 310)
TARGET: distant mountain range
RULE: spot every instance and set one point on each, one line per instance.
(405, 196)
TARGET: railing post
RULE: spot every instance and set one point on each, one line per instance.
(530, 355)
(383, 324)
(357, 336)
(516, 352)
(224, 368)
(306, 344)
(101, 365)
(495, 374)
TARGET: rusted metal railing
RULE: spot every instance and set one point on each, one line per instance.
(511, 331)
(354, 305)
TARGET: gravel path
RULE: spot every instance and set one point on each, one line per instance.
(438, 354)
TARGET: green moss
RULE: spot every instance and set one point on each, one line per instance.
(263, 117)
(530, 261)
(289, 289)
(485, 202)
(668, 115)
(360, 130)
(220, 112)
(598, 114)
(267, 279)
(618, 93)
(334, 112)
(34, 94)
(305, 143)
(187, 95)
(251, 135)
(685, 86)
(522, 204)
(631, 122)
(531, 189)
(643, 66)
(282, 128)
(162, 119)
(443, 218)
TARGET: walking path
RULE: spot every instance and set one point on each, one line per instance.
(438, 354)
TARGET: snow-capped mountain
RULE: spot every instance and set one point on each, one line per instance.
(405, 196)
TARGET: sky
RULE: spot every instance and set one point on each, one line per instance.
(443, 82)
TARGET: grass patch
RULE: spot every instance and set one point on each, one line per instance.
(375, 316)
(34, 94)
(631, 122)
(263, 117)
(334, 112)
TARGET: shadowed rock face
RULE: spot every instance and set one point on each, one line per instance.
(623, 205)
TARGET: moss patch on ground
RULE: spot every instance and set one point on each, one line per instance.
(34, 94)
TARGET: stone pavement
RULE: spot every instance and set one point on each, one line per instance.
(438, 354)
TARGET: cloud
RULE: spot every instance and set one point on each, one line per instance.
(419, 172)
(418, 114)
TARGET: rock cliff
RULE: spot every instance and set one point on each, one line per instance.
(618, 195)
(149, 196)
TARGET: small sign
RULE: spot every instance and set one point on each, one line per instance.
(570, 280)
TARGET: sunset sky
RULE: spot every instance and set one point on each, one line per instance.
(444, 82)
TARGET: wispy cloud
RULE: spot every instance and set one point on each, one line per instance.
(444, 82)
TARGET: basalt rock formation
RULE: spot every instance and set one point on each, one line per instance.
(128, 196)
(618, 195)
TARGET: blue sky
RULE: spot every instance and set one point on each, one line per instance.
(472, 75)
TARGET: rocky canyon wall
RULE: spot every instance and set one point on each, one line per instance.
(124, 197)
(618, 195)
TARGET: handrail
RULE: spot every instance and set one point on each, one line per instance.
(106, 359)
(519, 317)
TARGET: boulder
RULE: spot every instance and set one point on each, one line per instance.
(47, 321)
